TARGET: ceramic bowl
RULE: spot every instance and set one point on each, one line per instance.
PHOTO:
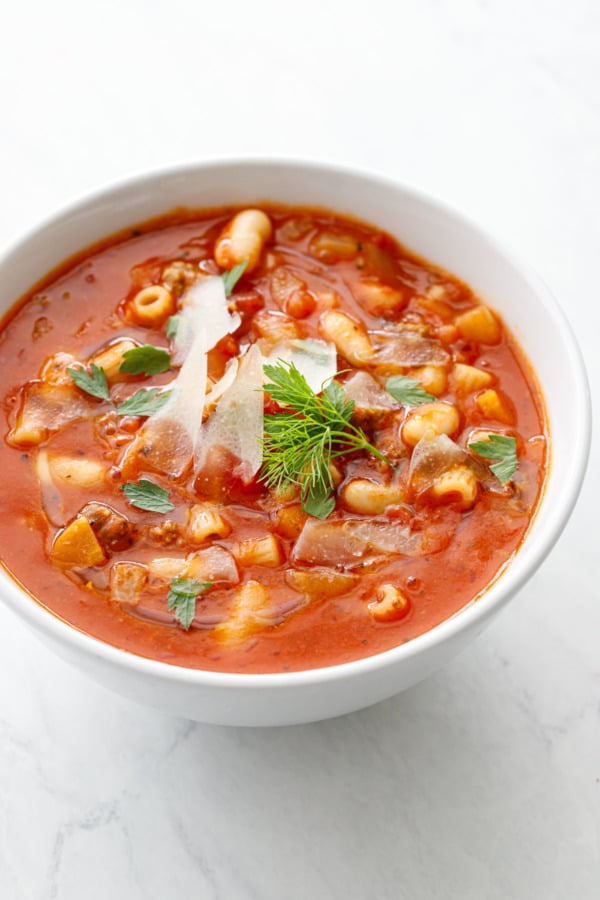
(429, 229)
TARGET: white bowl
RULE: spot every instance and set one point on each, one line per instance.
(432, 231)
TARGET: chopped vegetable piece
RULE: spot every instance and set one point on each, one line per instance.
(146, 360)
(77, 545)
(147, 495)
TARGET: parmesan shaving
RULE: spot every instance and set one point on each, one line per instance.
(167, 441)
(237, 423)
(367, 394)
(203, 305)
(315, 360)
(224, 382)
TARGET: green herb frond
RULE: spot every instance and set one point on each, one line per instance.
(310, 431)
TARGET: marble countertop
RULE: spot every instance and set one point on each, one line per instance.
(483, 781)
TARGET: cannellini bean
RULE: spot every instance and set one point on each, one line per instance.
(77, 545)
(204, 520)
(439, 418)
(348, 335)
(460, 482)
(479, 324)
(495, 405)
(389, 605)
(369, 498)
(77, 471)
(151, 306)
(469, 378)
(264, 551)
(433, 379)
(243, 238)
(110, 360)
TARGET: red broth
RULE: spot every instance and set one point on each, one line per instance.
(341, 607)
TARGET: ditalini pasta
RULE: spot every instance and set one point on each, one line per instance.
(261, 440)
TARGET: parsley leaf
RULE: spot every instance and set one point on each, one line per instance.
(144, 402)
(231, 278)
(407, 391)
(182, 597)
(173, 326)
(502, 448)
(147, 495)
(93, 383)
(147, 360)
(319, 502)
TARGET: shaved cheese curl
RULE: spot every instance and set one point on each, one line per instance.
(237, 423)
(315, 360)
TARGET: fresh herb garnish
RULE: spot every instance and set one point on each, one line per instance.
(311, 430)
(147, 360)
(147, 495)
(407, 391)
(144, 402)
(231, 278)
(173, 326)
(92, 382)
(182, 597)
(502, 448)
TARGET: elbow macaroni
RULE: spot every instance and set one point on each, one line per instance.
(152, 306)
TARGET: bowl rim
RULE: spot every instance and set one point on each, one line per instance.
(507, 582)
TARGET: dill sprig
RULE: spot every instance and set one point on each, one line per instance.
(310, 431)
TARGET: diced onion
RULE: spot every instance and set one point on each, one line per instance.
(397, 350)
(351, 543)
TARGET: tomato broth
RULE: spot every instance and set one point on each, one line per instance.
(236, 568)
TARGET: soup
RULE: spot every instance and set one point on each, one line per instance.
(261, 440)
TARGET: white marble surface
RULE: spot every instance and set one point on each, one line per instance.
(483, 782)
